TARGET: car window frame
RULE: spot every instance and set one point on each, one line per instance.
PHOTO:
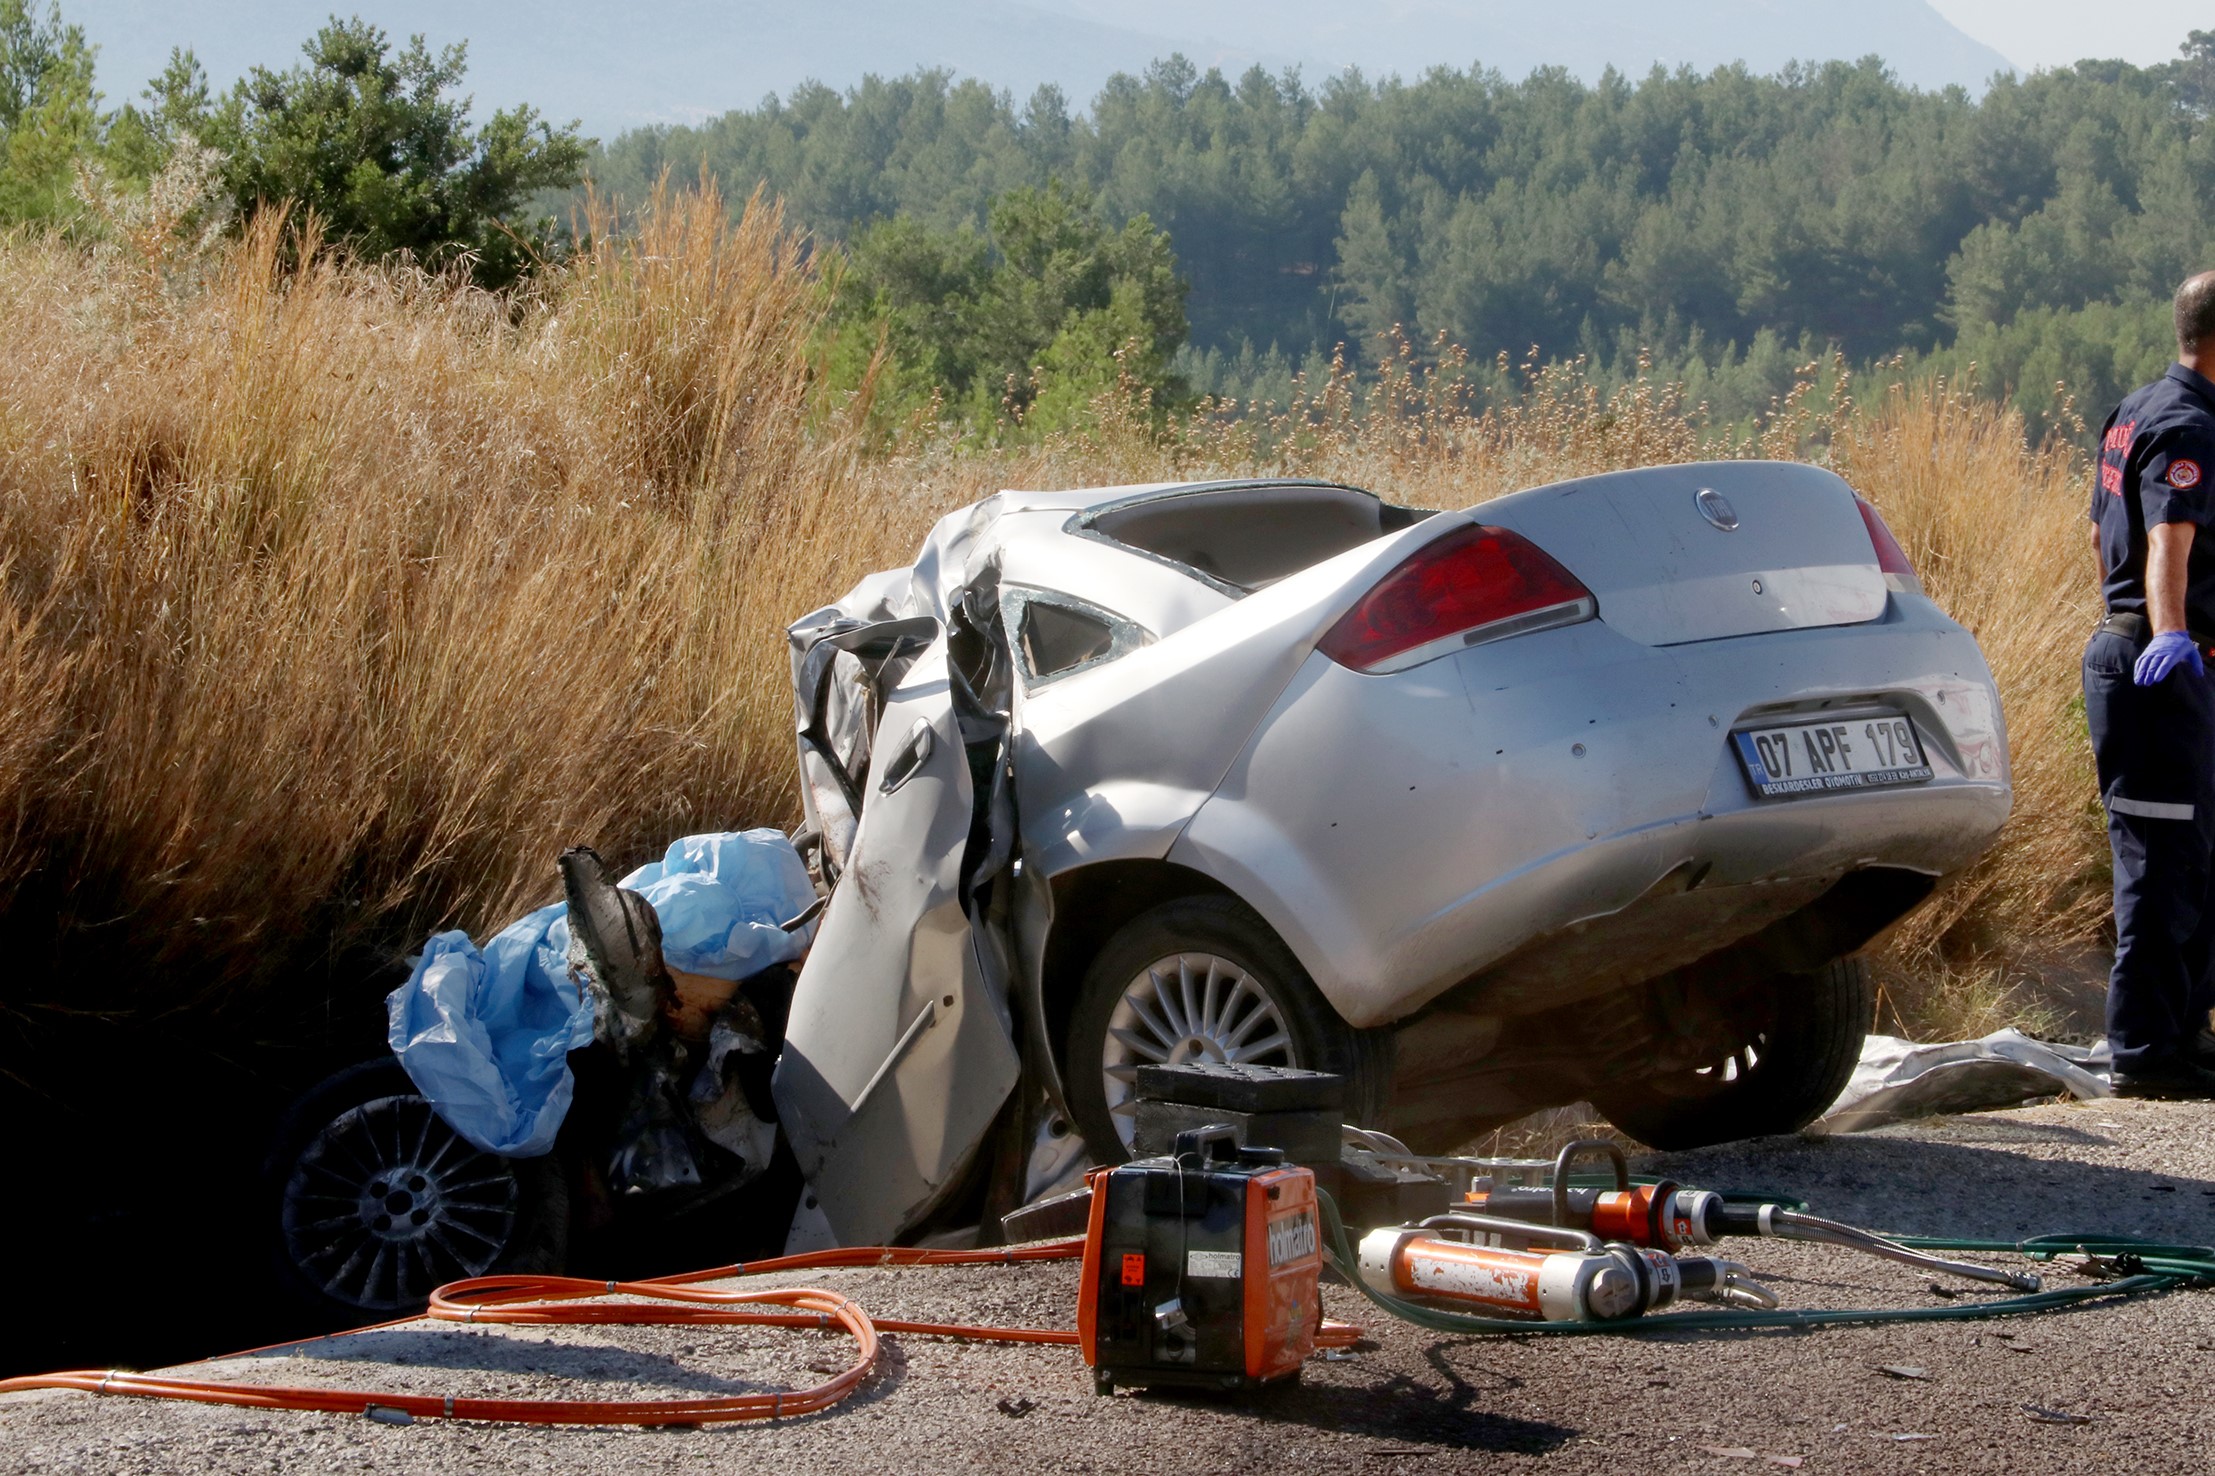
(1125, 635)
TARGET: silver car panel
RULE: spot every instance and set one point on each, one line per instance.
(900, 1049)
(1113, 763)
(1402, 832)
(1798, 555)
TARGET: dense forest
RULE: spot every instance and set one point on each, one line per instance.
(1192, 233)
(1728, 225)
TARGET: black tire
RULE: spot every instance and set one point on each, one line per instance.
(1222, 928)
(1777, 1081)
(352, 1239)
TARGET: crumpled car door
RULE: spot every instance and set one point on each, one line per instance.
(899, 1051)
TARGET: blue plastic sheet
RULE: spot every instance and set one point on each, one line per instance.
(485, 1034)
(721, 900)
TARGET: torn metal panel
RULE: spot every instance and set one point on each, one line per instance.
(1899, 1080)
(899, 1051)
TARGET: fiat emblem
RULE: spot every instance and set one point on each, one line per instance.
(1716, 508)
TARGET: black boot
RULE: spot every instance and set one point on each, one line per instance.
(2172, 1080)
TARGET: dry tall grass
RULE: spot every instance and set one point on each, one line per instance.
(1998, 533)
(340, 600)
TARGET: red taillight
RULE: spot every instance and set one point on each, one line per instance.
(1891, 558)
(1477, 584)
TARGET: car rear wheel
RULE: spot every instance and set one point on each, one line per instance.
(1776, 1080)
(1202, 979)
(377, 1201)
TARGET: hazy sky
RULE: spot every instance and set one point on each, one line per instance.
(2052, 33)
(551, 60)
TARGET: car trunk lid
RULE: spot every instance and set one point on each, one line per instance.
(1703, 552)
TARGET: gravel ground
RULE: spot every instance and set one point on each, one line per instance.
(2138, 1375)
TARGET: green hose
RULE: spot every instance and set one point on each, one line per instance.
(2153, 1266)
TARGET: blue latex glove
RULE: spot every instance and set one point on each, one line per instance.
(2164, 654)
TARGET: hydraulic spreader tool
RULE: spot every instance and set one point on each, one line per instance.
(1201, 1265)
(1667, 1216)
(1498, 1264)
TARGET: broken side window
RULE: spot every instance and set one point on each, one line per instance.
(1055, 637)
(1055, 634)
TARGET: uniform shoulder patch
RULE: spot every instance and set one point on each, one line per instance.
(2183, 474)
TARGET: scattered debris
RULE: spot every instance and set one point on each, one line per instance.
(1747, 1453)
(2045, 1416)
(1902, 1370)
(386, 1414)
(1015, 1409)
(1903, 1439)
(1901, 1079)
(1946, 1293)
(2111, 1268)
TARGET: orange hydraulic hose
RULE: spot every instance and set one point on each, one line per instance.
(826, 1308)
(570, 1300)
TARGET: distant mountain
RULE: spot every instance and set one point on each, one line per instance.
(1923, 48)
(618, 67)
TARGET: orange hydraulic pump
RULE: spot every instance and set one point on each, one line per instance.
(1202, 1268)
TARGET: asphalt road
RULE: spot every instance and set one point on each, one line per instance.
(2140, 1376)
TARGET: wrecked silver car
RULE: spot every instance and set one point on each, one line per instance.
(1590, 792)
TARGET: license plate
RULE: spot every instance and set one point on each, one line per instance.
(1820, 758)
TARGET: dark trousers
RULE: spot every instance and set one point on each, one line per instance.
(2155, 751)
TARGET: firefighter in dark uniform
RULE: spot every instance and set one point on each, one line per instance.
(2151, 706)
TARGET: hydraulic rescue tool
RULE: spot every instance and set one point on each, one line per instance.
(1667, 1216)
(1493, 1263)
(1201, 1268)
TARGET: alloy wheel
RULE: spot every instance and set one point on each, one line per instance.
(387, 1203)
(1188, 1007)
(1713, 1078)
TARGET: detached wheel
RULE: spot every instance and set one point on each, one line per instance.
(1202, 979)
(377, 1201)
(1776, 1081)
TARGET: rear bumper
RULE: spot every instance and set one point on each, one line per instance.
(1404, 832)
